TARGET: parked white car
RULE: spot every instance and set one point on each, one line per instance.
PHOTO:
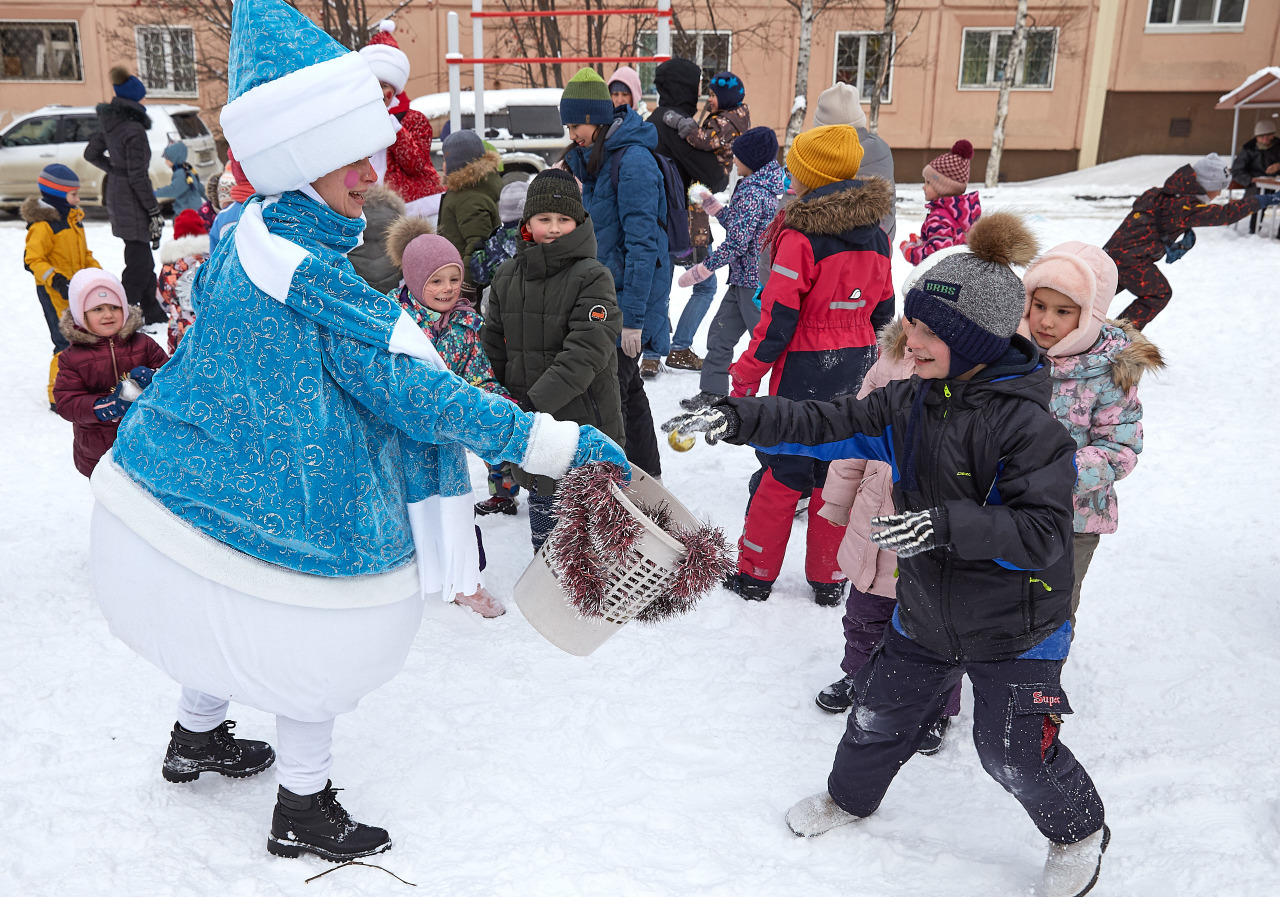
(522, 124)
(59, 134)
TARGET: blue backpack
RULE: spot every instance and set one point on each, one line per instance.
(678, 242)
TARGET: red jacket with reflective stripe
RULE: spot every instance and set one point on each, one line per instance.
(830, 286)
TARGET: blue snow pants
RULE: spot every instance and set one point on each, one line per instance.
(1017, 712)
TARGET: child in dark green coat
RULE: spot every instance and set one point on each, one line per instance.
(553, 324)
(469, 208)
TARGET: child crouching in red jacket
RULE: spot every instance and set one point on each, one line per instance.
(108, 364)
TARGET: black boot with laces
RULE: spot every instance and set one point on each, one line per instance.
(191, 753)
(318, 824)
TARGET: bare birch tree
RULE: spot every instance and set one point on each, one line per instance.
(809, 11)
(891, 43)
(1012, 65)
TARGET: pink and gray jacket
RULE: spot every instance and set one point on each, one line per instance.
(1095, 396)
(947, 220)
(857, 489)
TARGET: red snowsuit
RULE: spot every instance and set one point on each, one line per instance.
(409, 169)
(830, 286)
(1157, 219)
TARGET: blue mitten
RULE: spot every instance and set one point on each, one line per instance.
(595, 446)
(1268, 199)
(142, 376)
(110, 407)
(1176, 250)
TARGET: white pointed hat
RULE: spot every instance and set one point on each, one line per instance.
(300, 104)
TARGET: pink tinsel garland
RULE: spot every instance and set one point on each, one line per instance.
(595, 530)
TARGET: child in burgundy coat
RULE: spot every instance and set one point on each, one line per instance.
(110, 361)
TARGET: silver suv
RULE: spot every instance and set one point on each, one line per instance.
(60, 134)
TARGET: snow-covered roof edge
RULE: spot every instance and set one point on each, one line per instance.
(1273, 70)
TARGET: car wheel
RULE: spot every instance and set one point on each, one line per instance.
(516, 176)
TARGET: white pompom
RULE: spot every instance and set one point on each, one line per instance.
(387, 25)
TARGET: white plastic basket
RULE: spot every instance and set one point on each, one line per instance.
(634, 583)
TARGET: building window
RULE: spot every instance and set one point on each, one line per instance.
(1196, 15)
(40, 51)
(857, 59)
(711, 50)
(167, 59)
(985, 50)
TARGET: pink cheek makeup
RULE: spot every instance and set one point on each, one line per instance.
(352, 179)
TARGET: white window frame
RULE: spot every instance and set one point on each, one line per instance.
(992, 61)
(700, 32)
(1176, 27)
(28, 23)
(166, 32)
(862, 63)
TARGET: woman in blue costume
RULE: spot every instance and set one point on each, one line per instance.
(292, 485)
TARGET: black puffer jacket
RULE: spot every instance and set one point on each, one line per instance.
(677, 82)
(551, 332)
(122, 151)
(990, 453)
(1253, 161)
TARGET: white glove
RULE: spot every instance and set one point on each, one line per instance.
(632, 341)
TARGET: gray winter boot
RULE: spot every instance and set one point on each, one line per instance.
(1071, 870)
(817, 815)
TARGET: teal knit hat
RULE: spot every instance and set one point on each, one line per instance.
(586, 100)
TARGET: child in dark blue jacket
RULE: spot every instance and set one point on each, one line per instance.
(185, 188)
(983, 475)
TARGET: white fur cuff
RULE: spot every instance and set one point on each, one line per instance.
(552, 445)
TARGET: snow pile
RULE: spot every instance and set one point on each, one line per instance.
(663, 763)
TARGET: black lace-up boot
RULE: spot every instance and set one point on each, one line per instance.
(317, 823)
(191, 753)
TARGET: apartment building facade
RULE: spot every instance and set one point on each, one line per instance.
(1101, 79)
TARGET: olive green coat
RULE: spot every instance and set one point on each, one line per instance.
(469, 207)
(551, 333)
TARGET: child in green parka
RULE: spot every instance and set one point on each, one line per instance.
(553, 324)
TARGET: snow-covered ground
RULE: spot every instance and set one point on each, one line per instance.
(663, 764)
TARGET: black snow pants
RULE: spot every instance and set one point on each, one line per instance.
(642, 438)
(1017, 711)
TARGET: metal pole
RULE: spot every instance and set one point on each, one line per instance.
(1235, 133)
(477, 47)
(455, 76)
(664, 29)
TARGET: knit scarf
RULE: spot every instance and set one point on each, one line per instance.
(428, 319)
(293, 248)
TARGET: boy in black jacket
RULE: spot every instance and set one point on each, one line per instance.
(983, 475)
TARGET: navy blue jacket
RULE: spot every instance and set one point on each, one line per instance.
(990, 455)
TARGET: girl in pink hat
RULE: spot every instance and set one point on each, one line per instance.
(109, 362)
(1095, 365)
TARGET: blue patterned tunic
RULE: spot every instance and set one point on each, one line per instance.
(286, 428)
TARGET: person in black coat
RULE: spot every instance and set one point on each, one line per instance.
(677, 82)
(1260, 157)
(121, 149)
(983, 476)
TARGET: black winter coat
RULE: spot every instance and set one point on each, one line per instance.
(992, 456)
(551, 334)
(677, 81)
(1252, 161)
(122, 151)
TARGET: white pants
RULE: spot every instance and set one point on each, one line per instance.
(306, 665)
(303, 756)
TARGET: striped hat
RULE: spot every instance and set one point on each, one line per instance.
(56, 181)
(586, 100)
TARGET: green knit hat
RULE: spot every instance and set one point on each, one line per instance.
(586, 100)
(554, 190)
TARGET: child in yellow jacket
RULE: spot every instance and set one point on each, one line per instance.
(56, 249)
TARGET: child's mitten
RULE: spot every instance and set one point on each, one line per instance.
(710, 204)
(595, 446)
(1179, 248)
(110, 407)
(912, 532)
(61, 284)
(142, 375)
(717, 422)
(697, 274)
(682, 124)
